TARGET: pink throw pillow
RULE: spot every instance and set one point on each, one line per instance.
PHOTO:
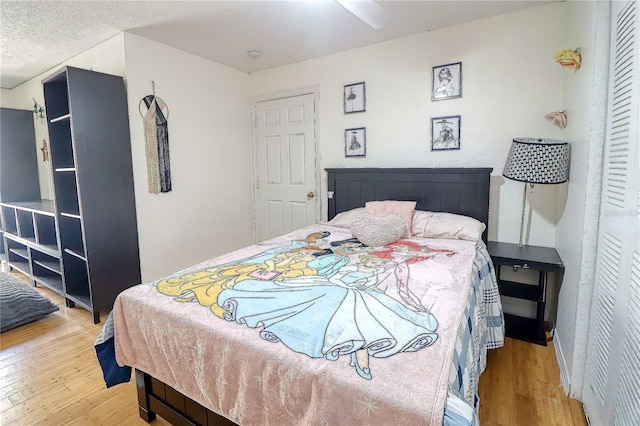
(386, 208)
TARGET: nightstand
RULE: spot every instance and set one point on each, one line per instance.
(544, 260)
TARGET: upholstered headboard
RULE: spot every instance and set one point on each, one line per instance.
(461, 190)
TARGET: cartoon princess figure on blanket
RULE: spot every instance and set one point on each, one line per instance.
(287, 261)
(323, 303)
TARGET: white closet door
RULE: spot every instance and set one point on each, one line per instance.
(612, 386)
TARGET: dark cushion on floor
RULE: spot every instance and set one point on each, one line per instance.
(21, 304)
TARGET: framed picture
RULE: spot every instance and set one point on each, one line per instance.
(355, 142)
(355, 98)
(445, 133)
(446, 82)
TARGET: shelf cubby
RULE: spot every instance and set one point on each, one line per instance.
(56, 97)
(46, 271)
(45, 226)
(71, 235)
(26, 228)
(21, 252)
(19, 265)
(76, 279)
(62, 150)
(46, 261)
(10, 221)
(66, 192)
(18, 256)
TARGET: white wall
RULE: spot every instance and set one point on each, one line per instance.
(510, 81)
(5, 98)
(585, 92)
(107, 57)
(209, 211)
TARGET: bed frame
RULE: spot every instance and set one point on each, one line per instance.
(461, 191)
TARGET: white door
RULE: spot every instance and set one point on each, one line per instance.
(612, 383)
(286, 169)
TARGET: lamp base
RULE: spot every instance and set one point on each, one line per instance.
(524, 202)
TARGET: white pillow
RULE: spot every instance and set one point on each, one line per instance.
(344, 219)
(446, 225)
(378, 231)
(419, 223)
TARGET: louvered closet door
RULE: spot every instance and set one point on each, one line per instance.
(612, 383)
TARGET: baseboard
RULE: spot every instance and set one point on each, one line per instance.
(564, 378)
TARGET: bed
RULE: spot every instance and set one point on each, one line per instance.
(420, 365)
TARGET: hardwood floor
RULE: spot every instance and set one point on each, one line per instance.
(49, 375)
(521, 386)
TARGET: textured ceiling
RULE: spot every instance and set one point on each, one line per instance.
(37, 35)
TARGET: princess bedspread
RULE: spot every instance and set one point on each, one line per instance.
(315, 328)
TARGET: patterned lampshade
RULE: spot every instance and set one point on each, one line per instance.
(539, 161)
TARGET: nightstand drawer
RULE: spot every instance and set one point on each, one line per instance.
(525, 257)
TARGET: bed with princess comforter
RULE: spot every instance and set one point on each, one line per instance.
(315, 327)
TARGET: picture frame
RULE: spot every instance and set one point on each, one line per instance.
(355, 98)
(355, 142)
(446, 82)
(445, 133)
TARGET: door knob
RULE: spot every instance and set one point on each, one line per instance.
(310, 195)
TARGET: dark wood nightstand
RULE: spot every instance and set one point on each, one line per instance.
(541, 259)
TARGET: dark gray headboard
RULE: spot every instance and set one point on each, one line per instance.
(461, 191)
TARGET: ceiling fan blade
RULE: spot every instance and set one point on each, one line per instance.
(367, 11)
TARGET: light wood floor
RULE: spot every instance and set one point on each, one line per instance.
(49, 376)
(521, 386)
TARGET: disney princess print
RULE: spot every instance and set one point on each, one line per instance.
(327, 299)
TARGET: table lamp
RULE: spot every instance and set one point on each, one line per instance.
(536, 161)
